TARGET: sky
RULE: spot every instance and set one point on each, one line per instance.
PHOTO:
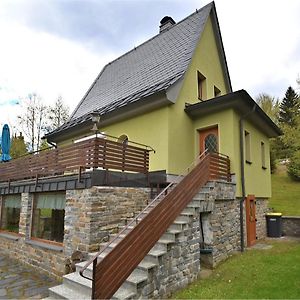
(58, 47)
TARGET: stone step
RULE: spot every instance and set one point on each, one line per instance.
(136, 279)
(183, 218)
(78, 283)
(154, 256)
(64, 292)
(201, 196)
(124, 294)
(189, 211)
(163, 244)
(179, 225)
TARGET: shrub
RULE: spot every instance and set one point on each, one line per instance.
(294, 166)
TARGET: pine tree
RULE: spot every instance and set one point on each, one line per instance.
(18, 146)
(289, 107)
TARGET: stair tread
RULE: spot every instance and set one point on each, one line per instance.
(157, 252)
(137, 277)
(165, 241)
(123, 293)
(76, 277)
(67, 293)
(147, 265)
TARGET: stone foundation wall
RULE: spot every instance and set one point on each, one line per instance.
(261, 224)
(177, 268)
(92, 214)
(45, 260)
(291, 226)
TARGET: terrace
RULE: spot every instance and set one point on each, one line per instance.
(78, 161)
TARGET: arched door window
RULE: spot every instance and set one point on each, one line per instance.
(211, 143)
(123, 139)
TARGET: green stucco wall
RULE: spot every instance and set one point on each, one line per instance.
(206, 59)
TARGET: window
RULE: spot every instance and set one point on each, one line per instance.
(263, 155)
(217, 92)
(247, 147)
(123, 139)
(10, 216)
(48, 216)
(211, 143)
(201, 86)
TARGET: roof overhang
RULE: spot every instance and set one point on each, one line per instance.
(82, 125)
(243, 104)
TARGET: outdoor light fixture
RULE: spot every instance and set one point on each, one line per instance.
(95, 120)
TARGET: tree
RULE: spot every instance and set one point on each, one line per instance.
(18, 146)
(269, 105)
(289, 107)
(33, 120)
(58, 114)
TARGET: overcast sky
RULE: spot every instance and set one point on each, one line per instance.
(58, 47)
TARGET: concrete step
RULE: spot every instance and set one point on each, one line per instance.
(189, 211)
(78, 283)
(64, 292)
(154, 256)
(163, 244)
(201, 196)
(179, 225)
(136, 279)
(183, 218)
(124, 294)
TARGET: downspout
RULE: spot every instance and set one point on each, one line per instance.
(241, 123)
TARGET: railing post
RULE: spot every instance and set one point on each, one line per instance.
(94, 278)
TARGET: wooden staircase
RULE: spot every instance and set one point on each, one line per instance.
(124, 264)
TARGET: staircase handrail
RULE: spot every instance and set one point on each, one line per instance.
(135, 219)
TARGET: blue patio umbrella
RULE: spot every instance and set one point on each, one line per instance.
(5, 143)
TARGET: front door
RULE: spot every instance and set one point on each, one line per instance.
(208, 139)
(251, 220)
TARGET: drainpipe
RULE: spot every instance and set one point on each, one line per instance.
(241, 123)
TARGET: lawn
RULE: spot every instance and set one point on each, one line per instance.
(285, 194)
(255, 274)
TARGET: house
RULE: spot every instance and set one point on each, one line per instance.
(173, 93)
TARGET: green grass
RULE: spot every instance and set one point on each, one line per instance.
(255, 274)
(285, 194)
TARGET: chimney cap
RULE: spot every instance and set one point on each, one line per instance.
(165, 23)
(166, 19)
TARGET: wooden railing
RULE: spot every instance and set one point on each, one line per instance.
(92, 153)
(152, 222)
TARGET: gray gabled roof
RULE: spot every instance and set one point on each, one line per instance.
(146, 70)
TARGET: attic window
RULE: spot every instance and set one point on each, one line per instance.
(217, 92)
(201, 86)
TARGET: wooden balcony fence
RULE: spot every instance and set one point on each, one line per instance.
(93, 153)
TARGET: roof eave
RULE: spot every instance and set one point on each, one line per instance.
(242, 103)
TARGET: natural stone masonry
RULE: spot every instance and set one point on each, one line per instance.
(291, 226)
(92, 214)
(174, 261)
(261, 211)
(18, 282)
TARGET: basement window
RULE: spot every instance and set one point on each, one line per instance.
(263, 155)
(10, 213)
(201, 86)
(247, 147)
(48, 216)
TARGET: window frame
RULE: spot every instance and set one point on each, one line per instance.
(201, 86)
(33, 236)
(263, 155)
(2, 211)
(247, 145)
